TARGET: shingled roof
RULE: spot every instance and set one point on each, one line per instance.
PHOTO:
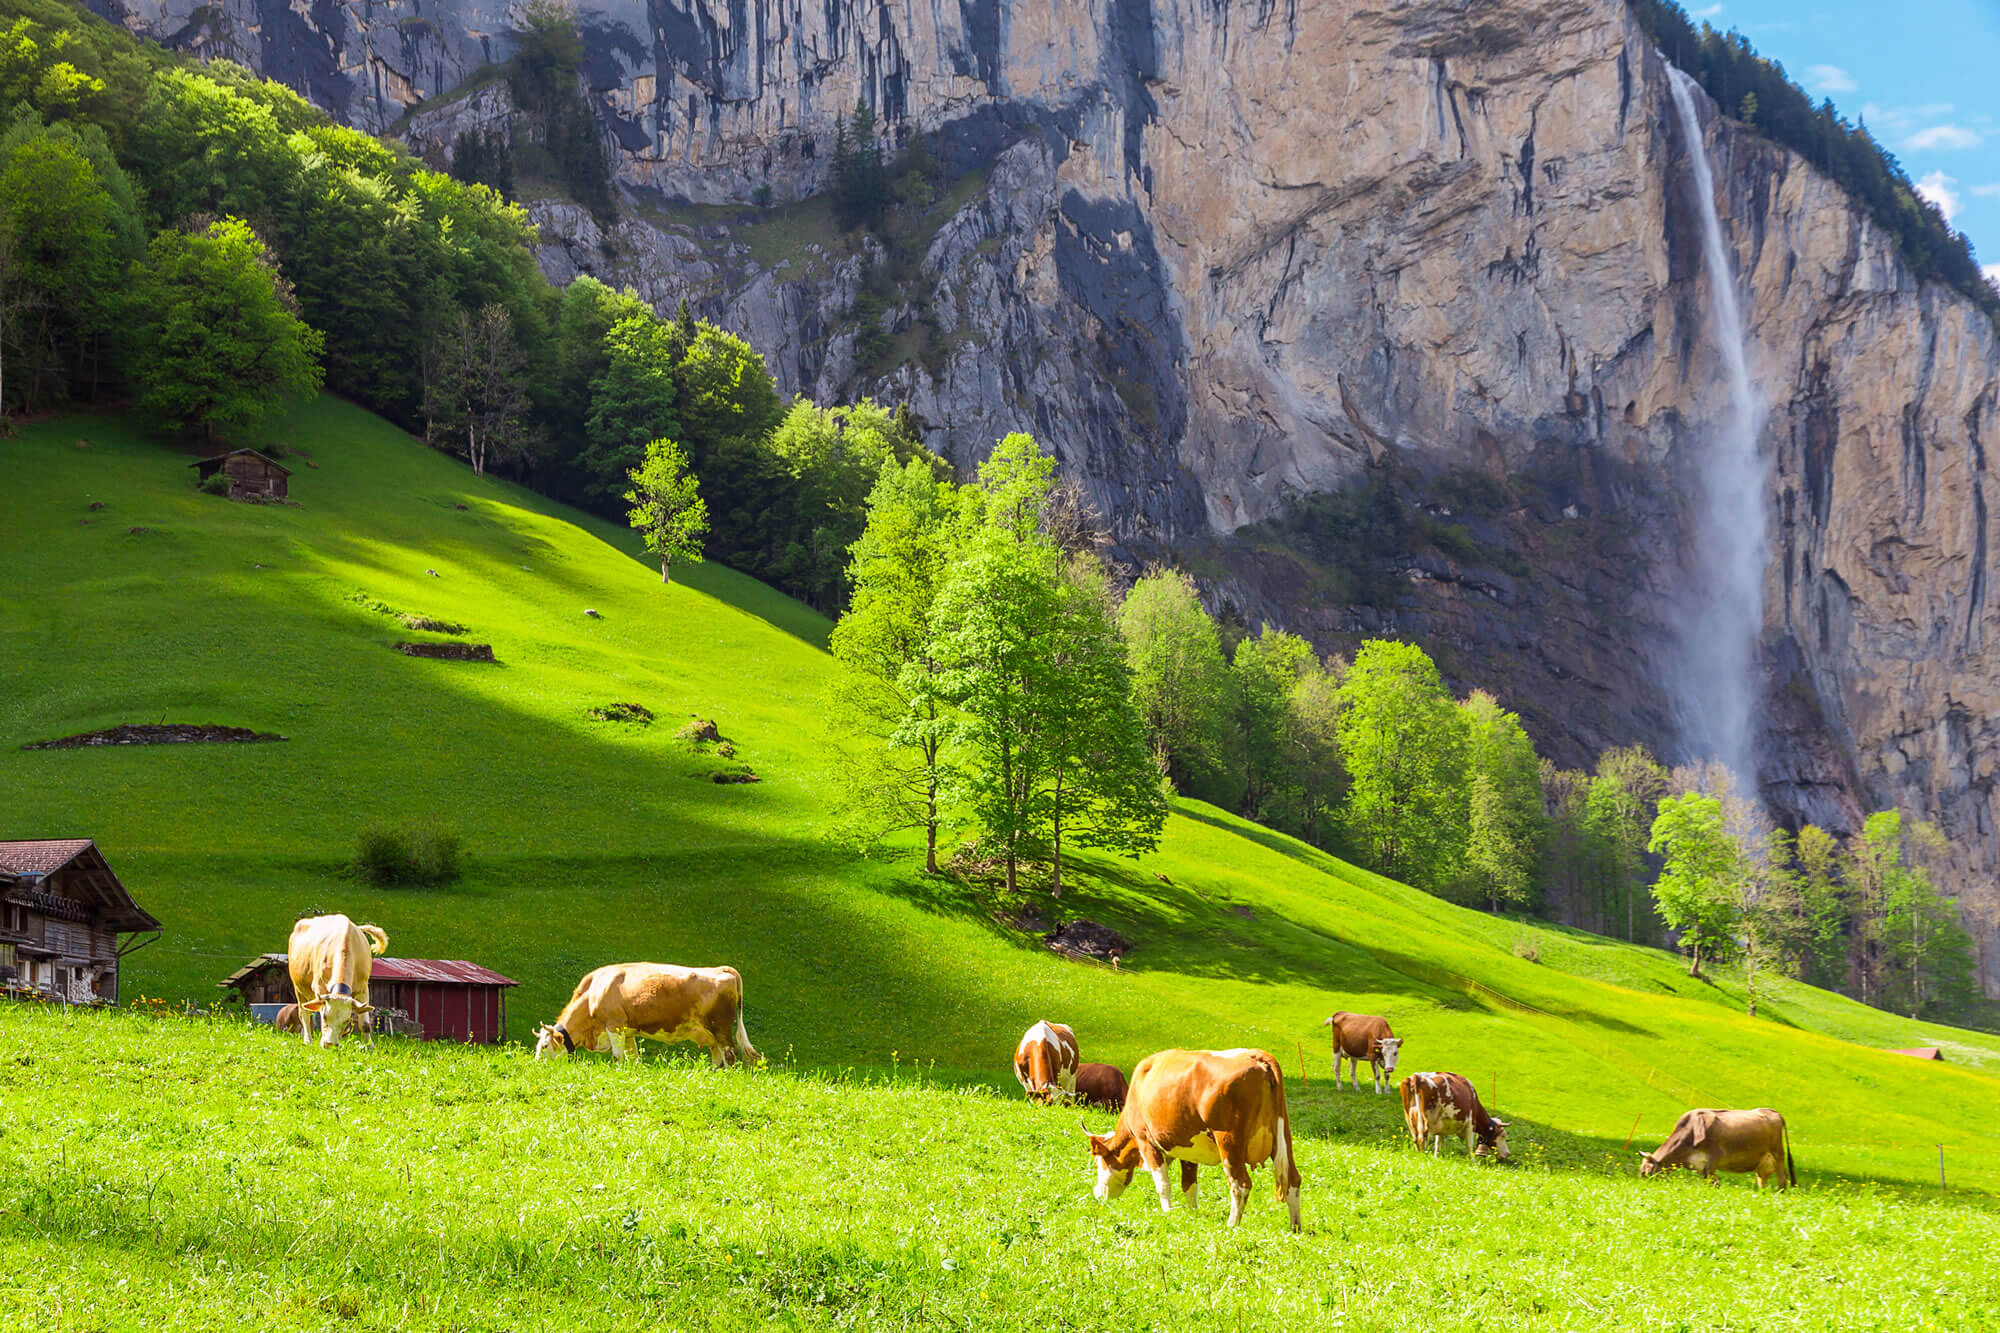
(37, 858)
(204, 462)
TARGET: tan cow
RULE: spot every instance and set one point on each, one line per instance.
(330, 959)
(1045, 1062)
(1358, 1037)
(1710, 1140)
(1101, 1085)
(1437, 1105)
(614, 1006)
(1201, 1108)
(290, 1019)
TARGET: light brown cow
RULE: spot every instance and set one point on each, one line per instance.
(1201, 1108)
(330, 959)
(1045, 1062)
(1710, 1140)
(1358, 1037)
(1437, 1105)
(290, 1019)
(614, 1006)
(1100, 1085)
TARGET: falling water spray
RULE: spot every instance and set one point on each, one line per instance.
(1715, 682)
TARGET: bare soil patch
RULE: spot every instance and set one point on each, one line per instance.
(158, 733)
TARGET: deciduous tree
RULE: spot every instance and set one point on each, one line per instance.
(1405, 746)
(1698, 891)
(1179, 678)
(667, 507)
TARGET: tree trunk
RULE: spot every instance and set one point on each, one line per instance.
(1694, 961)
(930, 801)
(664, 562)
(1055, 824)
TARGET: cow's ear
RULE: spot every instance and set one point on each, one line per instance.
(364, 1008)
(1700, 1130)
(313, 1006)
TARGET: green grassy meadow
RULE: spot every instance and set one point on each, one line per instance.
(160, 1174)
(591, 842)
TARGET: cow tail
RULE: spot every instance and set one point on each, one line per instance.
(744, 1050)
(1286, 1174)
(1791, 1171)
(378, 940)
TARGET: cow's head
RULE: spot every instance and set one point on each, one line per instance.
(1114, 1168)
(552, 1039)
(1494, 1140)
(1650, 1165)
(339, 1013)
(1388, 1047)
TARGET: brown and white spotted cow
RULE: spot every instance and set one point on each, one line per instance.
(1437, 1105)
(330, 960)
(1201, 1108)
(1101, 1085)
(1711, 1140)
(1045, 1062)
(614, 1006)
(1358, 1037)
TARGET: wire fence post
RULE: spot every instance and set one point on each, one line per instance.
(1941, 1184)
(1305, 1079)
(1634, 1130)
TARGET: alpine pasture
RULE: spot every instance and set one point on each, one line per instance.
(169, 1172)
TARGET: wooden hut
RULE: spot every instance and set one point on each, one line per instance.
(62, 913)
(251, 475)
(433, 999)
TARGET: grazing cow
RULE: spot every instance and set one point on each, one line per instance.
(1100, 1085)
(614, 1006)
(1358, 1037)
(1711, 1140)
(1436, 1105)
(330, 959)
(1045, 1062)
(1201, 1108)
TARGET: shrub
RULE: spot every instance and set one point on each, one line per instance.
(1526, 950)
(215, 483)
(424, 854)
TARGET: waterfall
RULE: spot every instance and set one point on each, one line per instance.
(1715, 684)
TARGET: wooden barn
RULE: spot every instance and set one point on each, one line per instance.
(62, 913)
(251, 475)
(445, 1000)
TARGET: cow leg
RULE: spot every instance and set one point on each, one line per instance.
(1237, 1168)
(1190, 1180)
(1375, 1069)
(1163, 1180)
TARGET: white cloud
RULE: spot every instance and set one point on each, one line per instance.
(1986, 191)
(1941, 190)
(1829, 79)
(1710, 12)
(1942, 138)
(1992, 272)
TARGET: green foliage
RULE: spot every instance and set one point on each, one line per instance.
(1697, 893)
(474, 390)
(407, 854)
(1179, 678)
(667, 508)
(484, 157)
(1732, 72)
(889, 710)
(215, 343)
(1505, 821)
(632, 399)
(1261, 674)
(1619, 811)
(860, 182)
(216, 483)
(1405, 746)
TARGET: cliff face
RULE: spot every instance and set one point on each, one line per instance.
(1225, 253)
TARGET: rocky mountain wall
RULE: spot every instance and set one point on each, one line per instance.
(1221, 255)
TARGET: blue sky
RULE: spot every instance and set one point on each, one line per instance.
(1924, 74)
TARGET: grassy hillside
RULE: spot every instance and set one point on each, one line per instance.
(226, 1178)
(592, 842)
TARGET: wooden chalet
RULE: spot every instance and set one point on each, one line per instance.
(62, 915)
(251, 475)
(431, 999)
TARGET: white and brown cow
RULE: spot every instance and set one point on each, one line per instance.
(1358, 1037)
(1709, 1140)
(614, 1006)
(330, 959)
(1045, 1062)
(1440, 1105)
(1201, 1108)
